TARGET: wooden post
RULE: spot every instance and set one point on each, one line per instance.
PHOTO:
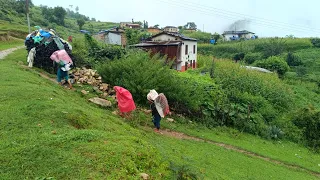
(27, 11)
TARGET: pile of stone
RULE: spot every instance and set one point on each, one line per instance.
(91, 77)
(87, 76)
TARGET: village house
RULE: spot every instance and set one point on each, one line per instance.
(172, 29)
(154, 30)
(130, 25)
(177, 47)
(113, 36)
(236, 35)
(190, 30)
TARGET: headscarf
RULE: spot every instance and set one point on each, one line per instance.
(152, 95)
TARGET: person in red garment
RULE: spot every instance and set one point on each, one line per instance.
(125, 101)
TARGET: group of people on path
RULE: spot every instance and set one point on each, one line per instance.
(158, 102)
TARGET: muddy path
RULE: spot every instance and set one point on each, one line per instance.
(6, 52)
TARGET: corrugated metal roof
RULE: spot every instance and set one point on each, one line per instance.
(170, 27)
(237, 32)
(161, 43)
(183, 37)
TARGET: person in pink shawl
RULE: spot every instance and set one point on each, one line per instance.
(125, 101)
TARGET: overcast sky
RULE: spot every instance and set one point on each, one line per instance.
(264, 17)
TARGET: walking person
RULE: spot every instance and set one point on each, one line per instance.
(159, 107)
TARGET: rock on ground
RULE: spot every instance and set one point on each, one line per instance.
(100, 102)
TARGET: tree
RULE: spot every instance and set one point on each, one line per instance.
(190, 25)
(216, 37)
(145, 24)
(93, 19)
(59, 14)
(47, 13)
(156, 26)
(20, 6)
(77, 9)
(80, 23)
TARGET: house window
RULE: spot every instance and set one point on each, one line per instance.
(186, 50)
(194, 49)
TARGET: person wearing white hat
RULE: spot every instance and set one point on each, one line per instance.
(156, 118)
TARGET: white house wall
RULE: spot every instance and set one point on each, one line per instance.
(165, 37)
(113, 38)
(228, 36)
(190, 56)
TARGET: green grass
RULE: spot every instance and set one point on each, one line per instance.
(279, 150)
(48, 131)
(11, 44)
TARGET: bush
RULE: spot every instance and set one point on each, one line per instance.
(238, 56)
(308, 119)
(139, 73)
(272, 47)
(274, 63)
(293, 60)
(217, 50)
(315, 42)
(252, 57)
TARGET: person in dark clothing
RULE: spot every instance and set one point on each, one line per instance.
(156, 118)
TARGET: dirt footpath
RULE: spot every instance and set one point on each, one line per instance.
(6, 52)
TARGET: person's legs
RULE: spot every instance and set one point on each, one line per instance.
(59, 76)
(66, 77)
(156, 122)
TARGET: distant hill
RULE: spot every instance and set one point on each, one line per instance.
(13, 20)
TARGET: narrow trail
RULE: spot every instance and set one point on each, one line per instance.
(182, 136)
(6, 52)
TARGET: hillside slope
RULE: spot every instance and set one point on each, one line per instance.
(48, 131)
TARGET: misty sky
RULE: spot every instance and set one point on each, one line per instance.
(264, 17)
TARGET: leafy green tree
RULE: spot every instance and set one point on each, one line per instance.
(274, 63)
(156, 26)
(216, 36)
(190, 25)
(77, 9)
(20, 6)
(59, 14)
(80, 23)
(272, 47)
(47, 13)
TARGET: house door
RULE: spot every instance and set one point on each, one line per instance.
(194, 64)
(186, 65)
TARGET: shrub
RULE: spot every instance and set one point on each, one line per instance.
(308, 119)
(238, 56)
(183, 172)
(274, 63)
(252, 57)
(272, 47)
(99, 52)
(139, 73)
(275, 133)
(301, 71)
(315, 42)
(293, 60)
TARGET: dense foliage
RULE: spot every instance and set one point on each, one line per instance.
(308, 119)
(274, 63)
(139, 73)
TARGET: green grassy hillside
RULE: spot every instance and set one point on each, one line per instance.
(48, 131)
